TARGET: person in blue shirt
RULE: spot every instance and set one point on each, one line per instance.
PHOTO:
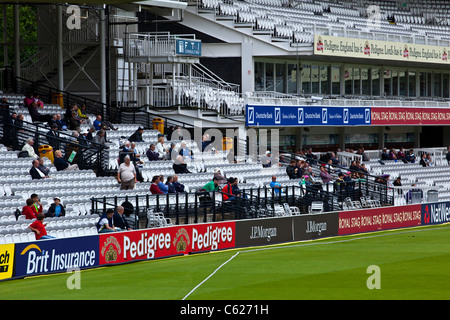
(56, 209)
(163, 187)
(275, 185)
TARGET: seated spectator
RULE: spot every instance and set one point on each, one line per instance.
(170, 186)
(161, 185)
(28, 147)
(97, 122)
(27, 211)
(275, 185)
(401, 155)
(36, 116)
(42, 167)
(177, 185)
(56, 209)
(152, 155)
(212, 185)
(35, 172)
(230, 190)
(392, 154)
(105, 223)
(38, 227)
(334, 160)
(292, 170)
(384, 154)
(205, 141)
(137, 135)
(179, 166)
(185, 152)
(61, 164)
(74, 121)
(28, 100)
(154, 189)
(311, 157)
(266, 160)
(120, 221)
(61, 122)
(161, 149)
(219, 176)
(99, 137)
(324, 175)
(37, 100)
(423, 160)
(82, 113)
(410, 156)
(36, 206)
(429, 159)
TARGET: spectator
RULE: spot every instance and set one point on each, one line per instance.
(163, 187)
(126, 175)
(212, 185)
(61, 164)
(100, 137)
(230, 190)
(97, 124)
(36, 206)
(28, 100)
(410, 156)
(106, 222)
(137, 135)
(179, 166)
(205, 141)
(429, 160)
(52, 137)
(154, 189)
(61, 122)
(38, 101)
(219, 176)
(35, 172)
(82, 138)
(401, 155)
(56, 209)
(119, 220)
(161, 149)
(324, 175)
(384, 154)
(392, 154)
(38, 227)
(42, 167)
(266, 160)
(152, 155)
(82, 113)
(27, 210)
(184, 151)
(28, 147)
(170, 186)
(178, 186)
(423, 160)
(35, 115)
(74, 121)
(292, 170)
(275, 185)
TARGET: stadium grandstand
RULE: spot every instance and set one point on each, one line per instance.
(298, 107)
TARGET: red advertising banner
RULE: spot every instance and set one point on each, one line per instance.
(118, 247)
(379, 219)
(410, 116)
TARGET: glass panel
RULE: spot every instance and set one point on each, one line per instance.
(446, 85)
(259, 76)
(423, 84)
(412, 83)
(269, 77)
(324, 80)
(356, 81)
(375, 82)
(306, 79)
(348, 80)
(279, 84)
(437, 84)
(402, 79)
(292, 78)
(315, 79)
(387, 83)
(365, 83)
(394, 82)
(336, 80)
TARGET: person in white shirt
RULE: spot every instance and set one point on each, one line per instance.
(126, 175)
(161, 149)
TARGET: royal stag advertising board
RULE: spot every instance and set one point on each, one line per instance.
(165, 242)
(379, 219)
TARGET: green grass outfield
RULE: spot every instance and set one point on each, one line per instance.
(414, 264)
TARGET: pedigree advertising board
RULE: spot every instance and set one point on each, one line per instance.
(377, 49)
(156, 243)
(379, 219)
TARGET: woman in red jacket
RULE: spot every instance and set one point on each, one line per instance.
(27, 211)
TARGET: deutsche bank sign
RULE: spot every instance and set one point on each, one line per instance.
(271, 116)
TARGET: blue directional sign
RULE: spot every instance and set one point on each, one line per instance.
(189, 47)
(271, 116)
